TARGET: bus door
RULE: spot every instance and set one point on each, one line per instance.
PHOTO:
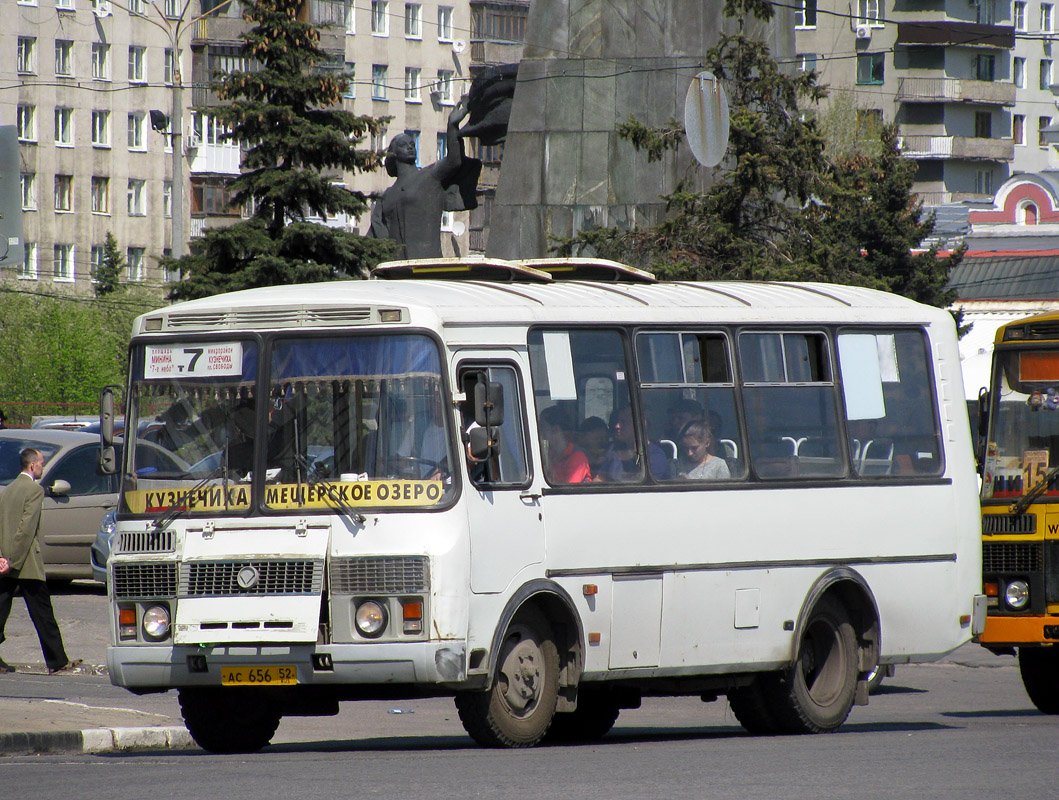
(503, 510)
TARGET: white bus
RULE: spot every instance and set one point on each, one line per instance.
(547, 489)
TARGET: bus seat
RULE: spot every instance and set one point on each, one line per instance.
(877, 457)
(796, 444)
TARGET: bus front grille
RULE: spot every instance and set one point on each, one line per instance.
(144, 580)
(232, 578)
(380, 575)
(145, 542)
(1008, 557)
(994, 524)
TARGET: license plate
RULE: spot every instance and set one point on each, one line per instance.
(259, 676)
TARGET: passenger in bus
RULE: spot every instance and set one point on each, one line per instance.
(698, 460)
(679, 414)
(593, 439)
(623, 457)
(563, 463)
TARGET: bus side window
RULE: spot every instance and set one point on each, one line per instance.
(507, 466)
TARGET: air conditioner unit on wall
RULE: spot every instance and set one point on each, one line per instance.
(863, 32)
(192, 142)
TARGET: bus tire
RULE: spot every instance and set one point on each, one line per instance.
(815, 694)
(240, 720)
(751, 707)
(1039, 666)
(595, 715)
(519, 707)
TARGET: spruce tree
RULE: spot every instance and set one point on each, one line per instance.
(108, 274)
(283, 113)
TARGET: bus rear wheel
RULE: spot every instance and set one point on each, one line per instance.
(816, 693)
(1040, 667)
(240, 720)
(751, 707)
(520, 706)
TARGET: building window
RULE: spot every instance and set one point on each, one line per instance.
(1046, 74)
(380, 18)
(1018, 72)
(983, 125)
(137, 135)
(805, 14)
(225, 59)
(1042, 124)
(378, 140)
(95, 261)
(1027, 214)
(27, 2)
(64, 127)
(137, 199)
(351, 87)
(26, 58)
(137, 6)
(986, 12)
(172, 274)
(101, 129)
(1046, 17)
(1020, 15)
(1018, 129)
(807, 62)
(411, 85)
(100, 195)
(167, 66)
(413, 21)
(173, 8)
(28, 184)
(101, 61)
(870, 68)
(134, 261)
(64, 5)
(984, 67)
(415, 142)
(868, 13)
(497, 22)
(378, 81)
(28, 271)
(443, 146)
(26, 123)
(210, 196)
(64, 192)
(167, 199)
(63, 262)
(444, 23)
(136, 59)
(64, 58)
(445, 86)
(983, 181)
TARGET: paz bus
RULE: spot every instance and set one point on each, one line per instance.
(1020, 503)
(546, 488)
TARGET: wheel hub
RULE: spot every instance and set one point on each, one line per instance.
(521, 677)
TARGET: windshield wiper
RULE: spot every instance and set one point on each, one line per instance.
(329, 488)
(177, 509)
(1027, 499)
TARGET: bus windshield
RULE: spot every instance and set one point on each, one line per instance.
(345, 421)
(1024, 417)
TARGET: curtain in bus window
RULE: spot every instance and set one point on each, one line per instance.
(584, 412)
(891, 418)
(789, 400)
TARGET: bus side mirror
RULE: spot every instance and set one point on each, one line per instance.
(481, 442)
(983, 423)
(489, 403)
(107, 455)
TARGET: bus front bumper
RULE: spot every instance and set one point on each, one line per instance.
(1015, 631)
(173, 666)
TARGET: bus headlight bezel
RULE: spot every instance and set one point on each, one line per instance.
(155, 622)
(1017, 594)
(371, 618)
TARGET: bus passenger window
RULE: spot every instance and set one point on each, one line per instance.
(890, 413)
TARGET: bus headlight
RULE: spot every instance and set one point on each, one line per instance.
(371, 618)
(1017, 594)
(156, 622)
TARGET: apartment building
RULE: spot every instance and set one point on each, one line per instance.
(81, 79)
(967, 81)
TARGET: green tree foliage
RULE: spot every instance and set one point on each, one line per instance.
(108, 276)
(295, 141)
(785, 205)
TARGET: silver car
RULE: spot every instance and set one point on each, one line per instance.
(76, 494)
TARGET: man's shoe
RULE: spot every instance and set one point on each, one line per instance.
(69, 666)
(5, 667)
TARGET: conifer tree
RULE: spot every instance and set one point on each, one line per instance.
(108, 274)
(283, 113)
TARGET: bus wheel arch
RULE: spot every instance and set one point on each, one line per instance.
(835, 646)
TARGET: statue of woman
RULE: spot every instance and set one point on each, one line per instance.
(410, 210)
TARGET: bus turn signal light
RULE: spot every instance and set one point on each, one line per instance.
(412, 611)
(589, 589)
(127, 622)
(991, 589)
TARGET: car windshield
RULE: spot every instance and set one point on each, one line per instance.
(342, 415)
(10, 456)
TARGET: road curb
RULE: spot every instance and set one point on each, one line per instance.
(97, 740)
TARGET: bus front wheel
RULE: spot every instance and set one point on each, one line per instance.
(816, 693)
(518, 709)
(1039, 667)
(595, 715)
(240, 720)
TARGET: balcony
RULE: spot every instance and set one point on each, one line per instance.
(958, 147)
(943, 32)
(955, 90)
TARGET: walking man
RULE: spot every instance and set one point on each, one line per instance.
(21, 565)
